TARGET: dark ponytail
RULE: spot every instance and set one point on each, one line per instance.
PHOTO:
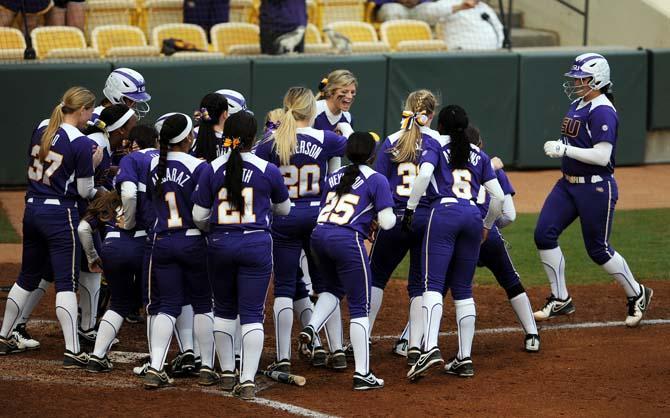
(145, 136)
(453, 121)
(239, 133)
(172, 127)
(473, 135)
(212, 107)
(607, 91)
(360, 147)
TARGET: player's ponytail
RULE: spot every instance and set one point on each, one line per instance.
(175, 129)
(608, 92)
(453, 121)
(239, 133)
(74, 99)
(212, 107)
(360, 148)
(299, 105)
(145, 136)
(419, 108)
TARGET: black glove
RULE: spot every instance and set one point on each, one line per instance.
(406, 223)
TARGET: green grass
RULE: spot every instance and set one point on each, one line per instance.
(7, 233)
(641, 236)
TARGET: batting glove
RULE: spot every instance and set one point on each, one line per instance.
(406, 223)
(555, 149)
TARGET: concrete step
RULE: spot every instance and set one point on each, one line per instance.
(522, 37)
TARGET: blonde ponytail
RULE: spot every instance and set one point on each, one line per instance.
(419, 107)
(73, 100)
(299, 105)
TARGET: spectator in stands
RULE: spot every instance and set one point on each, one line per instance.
(282, 25)
(405, 9)
(9, 9)
(206, 13)
(67, 13)
(468, 25)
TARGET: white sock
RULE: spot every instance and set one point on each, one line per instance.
(324, 308)
(224, 335)
(150, 324)
(376, 298)
(238, 337)
(89, 291)
(524, 312)
(283, 314)
(161, 335)
(415, 322)
(110, 324)
(203, 327)
(432, 314)
(359, 333)
(196, 344)
(618, 269)
(465, 319)
(306, 278)
(303, 310)
(183, 329)
(404, 335)
(334, 331)
(33, 300)
(66, 312)
(16, 301)
(252, 347)
(554, 265)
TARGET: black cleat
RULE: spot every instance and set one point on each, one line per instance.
(460, 368)
(426, 360)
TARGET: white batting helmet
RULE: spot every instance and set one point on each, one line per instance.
(236, 101)
(588, 65)
(126, 83)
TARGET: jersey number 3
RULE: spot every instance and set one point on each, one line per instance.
(36, 171)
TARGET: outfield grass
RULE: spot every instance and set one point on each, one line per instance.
(7, 233)
(641, 236)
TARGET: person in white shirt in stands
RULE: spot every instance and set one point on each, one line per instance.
(468, 25)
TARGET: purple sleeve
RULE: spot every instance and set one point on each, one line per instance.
(431, 152)
(203, 195)
(279, 190)
(334, 144)
(381, 193)
(127, 170)
(487, 168)
(383, 161)
(505, 184)
(603, 124)
(326, 190)
(83, 148)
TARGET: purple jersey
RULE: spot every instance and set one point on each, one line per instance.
(326, 120)
(219, 142)
(262, 186)
(585, 125)
(401, 175)
(174, 206)
(96, 112)
(102, 176)
(134, 168)
(70, 158)
(306, 175)
(453, 182)
(355, 210)
(484, 199)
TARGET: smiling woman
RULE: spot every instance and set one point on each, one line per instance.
(336, 95)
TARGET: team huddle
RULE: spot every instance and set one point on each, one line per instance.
(192, 219)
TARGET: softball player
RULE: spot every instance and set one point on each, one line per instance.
(353, 196)
(234, 201)
(60, 169)
(397, 159)
(303, 155)
(178, 258)
(125, 86)
(587, 190)
(337, 93)
(455, 170)
(208, 142)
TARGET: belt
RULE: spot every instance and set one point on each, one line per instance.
(187, 232)
(55, 202)
(117, 234)
(456, 200)
(312, 203)
(582, 180)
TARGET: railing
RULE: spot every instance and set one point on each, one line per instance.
(584, 13)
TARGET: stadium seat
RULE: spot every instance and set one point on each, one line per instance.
(133, 51)
(323, 48)
(395, 31)
(226, 35)
(329, 11)
(186, 32)
(248, 49)
(160, 12)
(108, 12)
(197, 55)
(312, 35)
(11, 38)
(11, 54)
(110, 36)
(56, 37)
(369, 47)
(311, 11)
(355, 31)
(69, 53)
(432, 45)
(241, 11)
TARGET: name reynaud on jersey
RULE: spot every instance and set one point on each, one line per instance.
(308, 148)
(335, 180)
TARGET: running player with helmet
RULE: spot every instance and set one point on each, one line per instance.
(455, 170)
(353, 197)
(303, 155)
(60, 169)
(398, 159)
(234, 201)
(587, 189)
(178, 258)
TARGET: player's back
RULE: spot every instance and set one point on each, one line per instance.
(134, 168)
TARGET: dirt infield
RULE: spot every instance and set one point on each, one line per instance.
(589, 365)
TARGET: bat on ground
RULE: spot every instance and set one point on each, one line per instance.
(281, 377)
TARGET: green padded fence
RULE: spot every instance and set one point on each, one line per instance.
(659, 93)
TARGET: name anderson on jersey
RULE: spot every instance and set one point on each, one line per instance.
(307, 148)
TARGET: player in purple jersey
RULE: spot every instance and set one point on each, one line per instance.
(178, 258)
(398, 159)
(337, 93)
(455, 170)
(587, 190)
(234, 201)
(208, 142)
(304, 155)
(353, 197)
(60, 169)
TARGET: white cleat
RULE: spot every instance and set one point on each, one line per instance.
(555, 307)
(23, 340)
(532, 343)
(638, 305)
